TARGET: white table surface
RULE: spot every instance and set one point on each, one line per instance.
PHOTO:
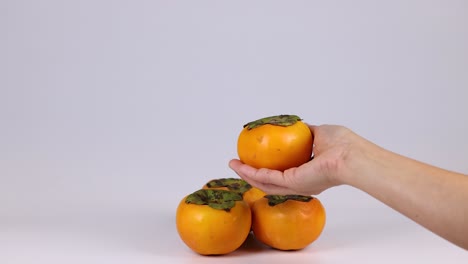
(143, 233)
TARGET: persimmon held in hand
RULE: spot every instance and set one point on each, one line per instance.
(277, 142)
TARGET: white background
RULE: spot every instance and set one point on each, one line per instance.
(112, 111)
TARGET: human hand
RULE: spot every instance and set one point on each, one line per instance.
(431, 196)
(331, 148)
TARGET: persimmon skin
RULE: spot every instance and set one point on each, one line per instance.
(275, 147)
(249, 196)
(253, 195)
(209, 231)
(292, 225)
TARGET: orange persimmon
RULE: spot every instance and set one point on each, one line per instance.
(276, 142)
(287, 222)
(213, 222)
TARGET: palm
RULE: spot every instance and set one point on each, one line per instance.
(313, 177)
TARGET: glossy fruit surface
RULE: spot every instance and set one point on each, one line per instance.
(288, 222)
(213, 222)
(276, 142)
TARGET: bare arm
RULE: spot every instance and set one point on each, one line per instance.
(433, 197)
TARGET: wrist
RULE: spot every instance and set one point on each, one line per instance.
(360, 162)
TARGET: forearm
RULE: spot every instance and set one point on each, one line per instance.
(435, 198)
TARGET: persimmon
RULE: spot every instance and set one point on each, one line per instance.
(288, 222)
(276, 142)
(249, 193)
(213, 222)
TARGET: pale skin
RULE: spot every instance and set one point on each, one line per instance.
(433, 197)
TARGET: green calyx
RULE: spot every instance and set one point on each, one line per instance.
(278, 120)
(214, 198)
(278, 199)
(233, 184)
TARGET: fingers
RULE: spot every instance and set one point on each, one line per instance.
(269, 181)
(262, 175)
(241, 169)
(313, 130)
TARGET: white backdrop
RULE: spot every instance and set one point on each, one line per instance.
(112, 111)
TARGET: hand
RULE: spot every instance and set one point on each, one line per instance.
(331, 149)
(431, 196)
